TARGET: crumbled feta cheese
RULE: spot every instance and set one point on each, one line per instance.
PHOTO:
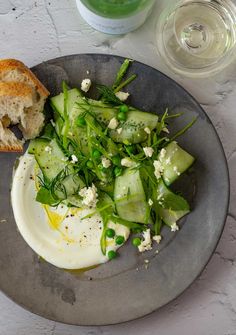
(119, 130)
(166, 130)
(127, 162)
(146, 244)
(147, 130)
(48, 149)
(162, 154)
(113, 124)
(174, 227)
(150, 202)
(148, 151)
(86, 84)
(87, 72)
(122, 95)
(157, 238)
(146, 261)
(176, 170)
(89, 195)
(158, 169)
(74, 159)
(106, 163)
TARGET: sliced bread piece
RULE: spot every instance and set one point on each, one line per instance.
(8, 140)
(33, 119)
(15, 100)
(14, 70)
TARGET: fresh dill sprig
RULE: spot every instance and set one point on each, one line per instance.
(108, 95)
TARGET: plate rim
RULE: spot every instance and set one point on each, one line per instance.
(226, 167)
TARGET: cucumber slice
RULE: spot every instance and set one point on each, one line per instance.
(133, 127)
(130, 197)
(51, 162)
(58, 101)
(172, 206)
(175, 162)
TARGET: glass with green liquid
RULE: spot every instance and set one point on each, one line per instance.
(115, 16)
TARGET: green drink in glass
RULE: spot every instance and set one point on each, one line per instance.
(115, 16)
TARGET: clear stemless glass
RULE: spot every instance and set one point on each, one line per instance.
(198, 37)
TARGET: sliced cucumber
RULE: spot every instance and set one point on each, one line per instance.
(58, 101)
(130, 197)
(49, 157)
(174, 162)
(133, 127)
(172, 206)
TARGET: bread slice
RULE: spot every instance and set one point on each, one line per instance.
(15, 100)
(23, 96)
(8, 140)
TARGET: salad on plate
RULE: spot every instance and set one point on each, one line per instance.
(100, 172)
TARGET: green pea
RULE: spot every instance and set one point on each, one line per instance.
(116, 160)
(112, 254)
(121, 116)
(136, 241)
(117, 171)
(89, 164)
(110, 233)
(119, 239)
(96, 154)
(124, 108)
(80, 121)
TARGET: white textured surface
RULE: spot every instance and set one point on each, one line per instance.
(34, 31)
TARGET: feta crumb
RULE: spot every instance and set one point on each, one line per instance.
(89, 195)
(113, 124)
(146, 261)
(157, 251)
(166, 130)
(48, 149)
(174, 227)
(127, 162)
(150, 202)
(86, 84)
(146, 244)
(158, 169)
(87, 72)
(74, 159)
(122, 95)
(119, 130)
(176, 170)
(157, 238)
(106, 163)
(162, 154)
(148, 151)
(147, 130)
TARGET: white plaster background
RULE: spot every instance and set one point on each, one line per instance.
(34, 31)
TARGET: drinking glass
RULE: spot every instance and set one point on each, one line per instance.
(197, 37)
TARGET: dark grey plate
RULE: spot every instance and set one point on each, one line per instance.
(124, 289)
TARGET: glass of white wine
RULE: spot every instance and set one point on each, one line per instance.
(197, 37)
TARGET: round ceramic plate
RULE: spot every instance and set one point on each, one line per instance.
(126, 288)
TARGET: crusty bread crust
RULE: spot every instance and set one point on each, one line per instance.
(11, 148)
(15, 89)
(7, 65)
